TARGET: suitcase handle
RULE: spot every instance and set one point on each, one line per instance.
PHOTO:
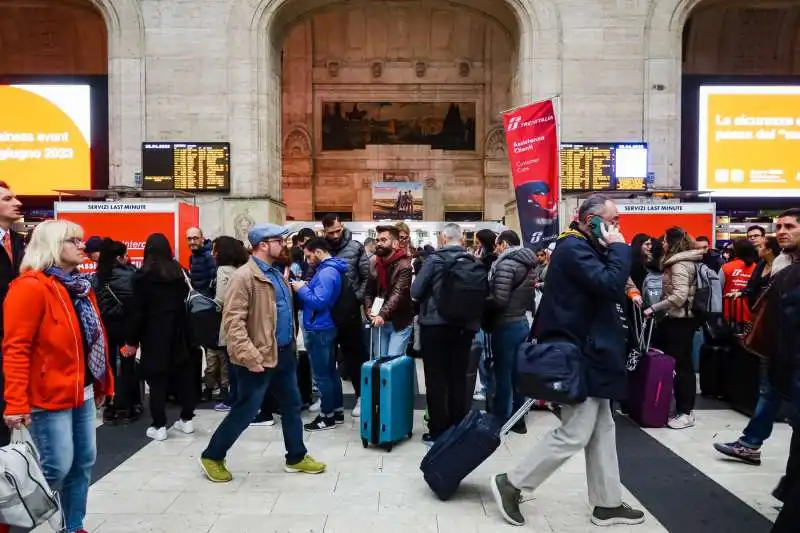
(516, 417)
(372, 329)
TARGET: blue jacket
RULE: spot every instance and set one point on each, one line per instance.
(203, 269)
(321, 293)
(584, 304)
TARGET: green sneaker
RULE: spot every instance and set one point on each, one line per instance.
(216, 471)
(308, 465)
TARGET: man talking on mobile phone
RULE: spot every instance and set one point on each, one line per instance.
(584, 305)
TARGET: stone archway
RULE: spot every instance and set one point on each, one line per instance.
(124, 32)
(255, 65)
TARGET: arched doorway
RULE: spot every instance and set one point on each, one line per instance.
(83, 38)
(402, 92)
(256, 109)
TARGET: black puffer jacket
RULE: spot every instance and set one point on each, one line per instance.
(203, 269)
(511, 285)
(114, 297)
(352, 252)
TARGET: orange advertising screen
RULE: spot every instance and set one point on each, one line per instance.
(131, 223)
(45, 138)
(749, 140)
(697, 219)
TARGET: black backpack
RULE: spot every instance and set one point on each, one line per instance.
(463, 291)
(347, 306)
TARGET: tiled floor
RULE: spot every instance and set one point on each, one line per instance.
(161, 489)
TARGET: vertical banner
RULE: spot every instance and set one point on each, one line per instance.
(532, 137)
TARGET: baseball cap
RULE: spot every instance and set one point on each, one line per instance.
(262, 232)
(93, 244)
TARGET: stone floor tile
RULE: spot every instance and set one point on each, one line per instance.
(272, 523)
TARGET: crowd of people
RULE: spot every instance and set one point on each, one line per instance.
(302, 311)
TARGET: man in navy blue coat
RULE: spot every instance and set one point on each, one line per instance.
(584, 305)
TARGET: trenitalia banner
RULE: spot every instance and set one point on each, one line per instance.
(532, 137)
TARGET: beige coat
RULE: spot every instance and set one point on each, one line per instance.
(680, 284)
(249, 314)
(224, 277)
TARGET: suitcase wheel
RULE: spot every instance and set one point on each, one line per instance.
(389, 447)
(365, 443)
(410, 434)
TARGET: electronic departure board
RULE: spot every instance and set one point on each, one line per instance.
(193, 167)
(603, 166)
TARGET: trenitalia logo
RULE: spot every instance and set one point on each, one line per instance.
(513, 123)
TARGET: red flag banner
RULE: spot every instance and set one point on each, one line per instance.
(532, 137)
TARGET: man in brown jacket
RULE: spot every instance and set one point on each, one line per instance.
(388, 294)
(259, 326)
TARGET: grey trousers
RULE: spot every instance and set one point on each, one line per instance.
(588, 426)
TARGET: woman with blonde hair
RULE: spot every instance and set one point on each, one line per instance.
(55, 360)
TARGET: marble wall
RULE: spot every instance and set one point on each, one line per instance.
(212, 70)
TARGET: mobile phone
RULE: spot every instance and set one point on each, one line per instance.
(596, 226)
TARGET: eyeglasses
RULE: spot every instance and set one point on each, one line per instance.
(77, 241)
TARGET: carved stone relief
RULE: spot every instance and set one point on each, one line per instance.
(333, 68)
(377, 69)
(297, 143)
(419, 69)
(496, 144)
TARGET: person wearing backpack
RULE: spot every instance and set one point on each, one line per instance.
(319, 297)
(451, 288)
(676, 331)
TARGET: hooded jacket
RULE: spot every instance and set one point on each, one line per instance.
(584, 305)
(320, 294)
(680, 284)
(353, 254)
(428, 285)
(511, 285)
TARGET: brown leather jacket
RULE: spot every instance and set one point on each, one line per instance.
(397, 306)
(248, 316)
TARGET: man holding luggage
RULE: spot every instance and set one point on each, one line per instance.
(259, 326)
(318, 298)
(389, 292)
(451, 288)
(584, 305)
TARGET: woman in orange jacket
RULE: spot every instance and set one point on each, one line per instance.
(55, 360)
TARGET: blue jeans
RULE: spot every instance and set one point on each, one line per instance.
(321, 348)
(252, 386)
(68, 449)
(232, 381)
(769, 404)
(506, 339)
(386, 342)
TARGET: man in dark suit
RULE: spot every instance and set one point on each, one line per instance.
(12, 247)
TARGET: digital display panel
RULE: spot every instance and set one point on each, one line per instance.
(191, 167)
(749, 140)
(45, 138)
(604, 166)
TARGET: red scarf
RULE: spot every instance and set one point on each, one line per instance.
(382, 268)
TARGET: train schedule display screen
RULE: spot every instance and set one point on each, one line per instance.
(603, 166)
(191, 167)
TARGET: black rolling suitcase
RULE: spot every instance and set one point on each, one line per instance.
(461, 449)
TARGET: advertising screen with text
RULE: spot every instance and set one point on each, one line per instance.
(45, 138)
(749, 141)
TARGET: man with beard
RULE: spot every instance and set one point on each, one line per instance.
(349, 338)
(388, 294)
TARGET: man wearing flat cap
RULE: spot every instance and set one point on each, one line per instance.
(259, 326)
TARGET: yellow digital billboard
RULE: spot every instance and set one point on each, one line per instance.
(45, 141)
(749, 140)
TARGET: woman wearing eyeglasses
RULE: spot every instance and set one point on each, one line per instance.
(55, 360)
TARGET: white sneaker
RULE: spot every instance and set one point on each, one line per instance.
(184, 426)
(157, 433)
(681, 421)
(316, 406)
(357, 409)
(479, 397)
